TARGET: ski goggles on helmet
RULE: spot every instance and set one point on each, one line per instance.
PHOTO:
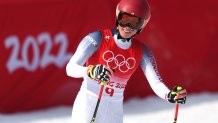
(131, 21)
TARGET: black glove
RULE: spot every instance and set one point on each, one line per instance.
(177, 95)
(100, 72)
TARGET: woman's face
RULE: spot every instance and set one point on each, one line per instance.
(126, 32)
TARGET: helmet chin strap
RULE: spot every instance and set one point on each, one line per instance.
(125, 39)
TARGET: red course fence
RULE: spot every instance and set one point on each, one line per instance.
(38, 37)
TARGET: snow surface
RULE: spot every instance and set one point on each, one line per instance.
(200, 108)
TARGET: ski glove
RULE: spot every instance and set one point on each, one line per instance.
(177, 95)
(100, 72)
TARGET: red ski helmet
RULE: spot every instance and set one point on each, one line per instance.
(139, 8)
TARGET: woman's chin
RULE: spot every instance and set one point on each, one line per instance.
(125, 35)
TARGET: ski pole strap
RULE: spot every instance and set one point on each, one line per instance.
(103, 83)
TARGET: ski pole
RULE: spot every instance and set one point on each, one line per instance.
(99, 100)
(176, 112)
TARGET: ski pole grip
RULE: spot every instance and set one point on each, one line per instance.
(103, 83)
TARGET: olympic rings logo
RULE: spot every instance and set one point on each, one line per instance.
(118, 61)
